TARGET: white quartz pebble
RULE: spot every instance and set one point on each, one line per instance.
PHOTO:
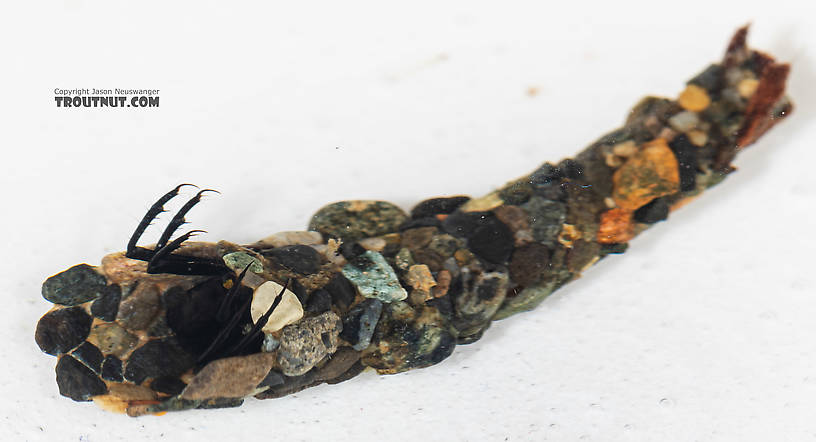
(287, 312)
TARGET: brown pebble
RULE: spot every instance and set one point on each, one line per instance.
(230, 377)
(419, 277)
(514, 217)
(650, 173)
(528, 263)
(747, 87)
(443, 280)
(137, 311)
(616, 227)
(694, 98)
(418, 238)
(112, 339)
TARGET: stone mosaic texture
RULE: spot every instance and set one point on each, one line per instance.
(369, 286)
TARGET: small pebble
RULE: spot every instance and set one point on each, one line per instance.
(625, 149)
(77, 381)
(237, 262)
(107, 305)
(306, 343)
(297, 258)
(359, 324)
(437, 206)
(161, 357)
(137, 311)
(419, 277)
(353, 220)
(281, 239)
(288, 311)
(374, 278)
(79, 284)
(376, 244)
(697, 137)
(747, 87)
(233, 377)
(694, 98)
(112, 339)
(684, 121)
(61, 330)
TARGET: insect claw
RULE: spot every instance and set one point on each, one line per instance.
(178, 219)
(169, 248)
(154, 210)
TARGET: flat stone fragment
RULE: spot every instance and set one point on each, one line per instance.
(406, 339)
(340, 363)
(528, 299)
(492, 241)
(545, 219)
(281, 239)
(417, 238)
(694, 98)
(341, 290)
(89, 355)
(107, 305)
(112, 369)
(237, 262)
(319, 301)
(475, 305)
(481, 204)
(77, 381)
(137, 311)
(60, 330)
(288, 311)
(353, 220)
(360, 322)
(77, 285)
(376, 244)
(616, 227)
(374, 278)
(419, 277)
(651, 173)
(298, 258)
(438, 206)
(233, 377)
(163, 357)
(304, 344)
(112, 339)
(529, 263)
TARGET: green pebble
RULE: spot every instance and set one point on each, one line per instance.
(353, 220)
(374, 278)
(237, 261)
(77, 285)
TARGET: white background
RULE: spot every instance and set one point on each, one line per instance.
(703, 331)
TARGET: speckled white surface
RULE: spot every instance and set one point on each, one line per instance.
(703, 331)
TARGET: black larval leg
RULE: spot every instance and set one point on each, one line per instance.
(135, 252)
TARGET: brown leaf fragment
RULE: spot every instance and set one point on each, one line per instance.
(768, 92)
(737, 50)
(650, 173)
